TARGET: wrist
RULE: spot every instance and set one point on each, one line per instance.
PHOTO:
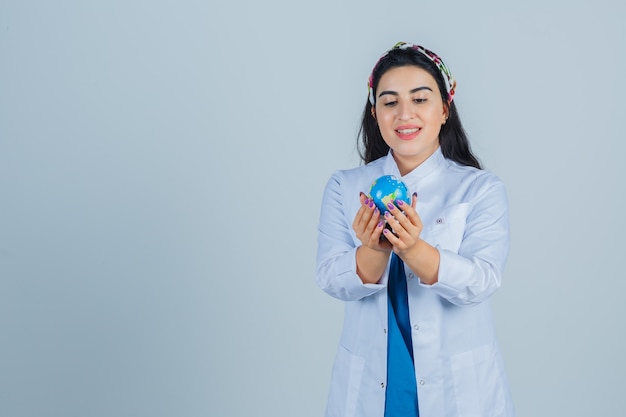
(423, 259)
(374, 251)
(371, 264)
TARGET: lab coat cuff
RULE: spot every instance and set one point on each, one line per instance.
(350, 281)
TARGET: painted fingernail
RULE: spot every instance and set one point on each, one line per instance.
(391, 206)
(387, 214)
(371, 203)
(386, 231)
(400, 202)
(376, 211)
(367, 201)
(415, 195)
(380, 224)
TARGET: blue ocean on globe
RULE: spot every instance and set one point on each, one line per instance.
(388, 189)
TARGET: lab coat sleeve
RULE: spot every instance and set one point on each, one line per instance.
(474, 273)
(336, 251)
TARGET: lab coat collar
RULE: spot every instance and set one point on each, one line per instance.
(430, 165)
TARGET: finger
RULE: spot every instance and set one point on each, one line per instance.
(370, 225)
(393, 222)
(364, 217)
(391, 238)
(411, 227)
(410, 214)
(377, 230)
(399, 237)
(414, 217)
(357, 217)
(361, 219)
(393, 209)
(406, 224)
(397, 212)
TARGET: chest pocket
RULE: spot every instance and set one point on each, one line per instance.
(446, 228)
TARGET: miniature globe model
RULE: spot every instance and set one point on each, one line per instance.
(388, 189)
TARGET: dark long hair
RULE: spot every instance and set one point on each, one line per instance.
(452, 137)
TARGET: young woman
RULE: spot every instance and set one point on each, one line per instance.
(418, 335)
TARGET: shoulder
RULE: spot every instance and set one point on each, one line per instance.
(477, 182)
(475, 175)
(359, 176)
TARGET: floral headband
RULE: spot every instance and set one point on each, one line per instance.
(447, 75)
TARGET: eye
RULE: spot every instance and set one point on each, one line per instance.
(390, 103)
(420, 100)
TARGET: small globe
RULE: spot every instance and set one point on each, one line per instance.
(388, 189)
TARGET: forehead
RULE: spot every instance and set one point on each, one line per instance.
(406, 78)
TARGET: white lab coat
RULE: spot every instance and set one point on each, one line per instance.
(458, 365)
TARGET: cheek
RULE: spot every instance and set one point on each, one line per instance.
(435, 117)
(385, 120)
(385, 125)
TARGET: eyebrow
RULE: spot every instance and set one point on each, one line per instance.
(415, 90)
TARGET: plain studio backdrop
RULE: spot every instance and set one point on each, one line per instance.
(161, 171)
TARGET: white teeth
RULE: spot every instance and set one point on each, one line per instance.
(407, 131)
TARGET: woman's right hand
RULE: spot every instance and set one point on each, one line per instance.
(368, 225)
(373, 254)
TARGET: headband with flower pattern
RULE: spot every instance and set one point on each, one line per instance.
(447, 75)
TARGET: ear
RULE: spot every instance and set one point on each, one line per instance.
(445, 114)
(373, 110)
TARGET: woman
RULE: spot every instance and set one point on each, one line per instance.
(418, 335)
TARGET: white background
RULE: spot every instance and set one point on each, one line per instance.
(161, 171)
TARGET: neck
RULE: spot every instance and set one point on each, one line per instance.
(407, 164)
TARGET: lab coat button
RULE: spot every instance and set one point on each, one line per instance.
(382, 385)
(416, 326)
(411, 275)
(422, 382)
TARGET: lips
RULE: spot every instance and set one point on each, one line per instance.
(407, 132)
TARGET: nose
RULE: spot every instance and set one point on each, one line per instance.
(405, 111)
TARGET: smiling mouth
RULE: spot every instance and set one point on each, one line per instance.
(408, 131)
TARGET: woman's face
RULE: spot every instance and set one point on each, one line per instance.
(409, 111)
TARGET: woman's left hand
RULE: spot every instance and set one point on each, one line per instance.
(418, 255)
(406, 224)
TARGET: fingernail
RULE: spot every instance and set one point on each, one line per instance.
(400, 202)
(371, 203)
(380, 224)
(376, 211)
(391, 206)
(415, 195)
(367, 202)
(387, 214)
